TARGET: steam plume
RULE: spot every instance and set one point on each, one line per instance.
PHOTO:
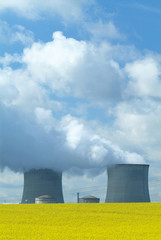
(28, 142)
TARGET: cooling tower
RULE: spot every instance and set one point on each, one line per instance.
(42, 182)
(128, 183)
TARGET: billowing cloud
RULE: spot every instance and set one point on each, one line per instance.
(145, 77)
(69, 67)
(41, 141)
(137, 118)
(37, 126)
(137, 123)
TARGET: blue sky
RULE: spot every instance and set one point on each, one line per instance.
(139, 21)
(80, 86)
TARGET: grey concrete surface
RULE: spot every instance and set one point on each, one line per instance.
(42, 182)
(128, 183)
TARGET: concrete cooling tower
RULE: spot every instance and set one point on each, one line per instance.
(128, 183)
(42, 182)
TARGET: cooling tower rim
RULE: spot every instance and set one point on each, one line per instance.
(41, 170)
(128, 164)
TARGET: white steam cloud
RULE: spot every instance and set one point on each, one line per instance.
(39, 126)
(41, 141)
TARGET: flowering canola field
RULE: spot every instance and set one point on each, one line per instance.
(118, 221)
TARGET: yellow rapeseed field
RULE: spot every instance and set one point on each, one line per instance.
(118, 221)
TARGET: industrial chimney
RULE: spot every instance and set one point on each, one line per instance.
(42, 182)
(128, 183)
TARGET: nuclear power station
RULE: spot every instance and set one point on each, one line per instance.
(128, 183)
(42, 182)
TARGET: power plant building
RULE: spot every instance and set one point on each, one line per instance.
(89, 199)
(45, 199)
(42, 182)
(128, 183)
